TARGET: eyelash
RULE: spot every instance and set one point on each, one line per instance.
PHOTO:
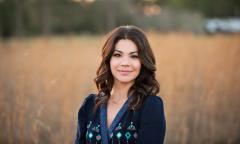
(118, 55)
(134, 56)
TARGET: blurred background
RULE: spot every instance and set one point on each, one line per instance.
(50, 50)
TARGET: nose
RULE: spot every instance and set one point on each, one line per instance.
(124, 61)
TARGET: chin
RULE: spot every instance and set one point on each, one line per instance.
(125, 81)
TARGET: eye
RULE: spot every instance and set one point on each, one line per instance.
(134, 56)
(116, 55)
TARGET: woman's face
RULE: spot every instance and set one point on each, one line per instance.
(125, 64)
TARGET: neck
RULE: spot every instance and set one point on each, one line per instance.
(120, 91)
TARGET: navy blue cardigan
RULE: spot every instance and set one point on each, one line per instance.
(144, 126)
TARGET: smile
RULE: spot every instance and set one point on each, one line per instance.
(124, 72)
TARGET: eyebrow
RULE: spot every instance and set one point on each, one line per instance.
(129, 53)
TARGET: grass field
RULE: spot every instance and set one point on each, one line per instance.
(43, 81)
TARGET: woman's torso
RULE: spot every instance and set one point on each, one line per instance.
(124, 127)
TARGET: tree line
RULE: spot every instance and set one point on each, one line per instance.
(44, 17)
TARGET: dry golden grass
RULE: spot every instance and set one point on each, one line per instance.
(44, 80)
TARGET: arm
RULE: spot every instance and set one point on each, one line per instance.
(82, 120)
(152, 125)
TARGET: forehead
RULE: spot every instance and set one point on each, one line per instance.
(126, 46)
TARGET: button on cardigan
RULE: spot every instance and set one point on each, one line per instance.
(143, 126)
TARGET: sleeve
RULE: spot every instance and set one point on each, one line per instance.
(82, 120)
(152, 126)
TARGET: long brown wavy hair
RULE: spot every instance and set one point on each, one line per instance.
(145, 84)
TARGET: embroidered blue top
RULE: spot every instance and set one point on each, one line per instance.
(143, 126)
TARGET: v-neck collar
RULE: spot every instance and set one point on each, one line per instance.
(105, 132)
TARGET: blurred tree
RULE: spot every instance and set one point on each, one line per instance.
(6, 18)
(19, 18)
(110, 14)
(46, 19)
(28, 17)
(214, 8)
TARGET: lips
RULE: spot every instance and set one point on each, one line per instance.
(124, 72)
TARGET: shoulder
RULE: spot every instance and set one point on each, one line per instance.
(152, 109)
(88, 103)
(152, 123)
(89, 99)
(153, 100)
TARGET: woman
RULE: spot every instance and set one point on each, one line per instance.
(126, 109)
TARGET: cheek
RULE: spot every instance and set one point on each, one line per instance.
(113, 64)
(137, 66)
